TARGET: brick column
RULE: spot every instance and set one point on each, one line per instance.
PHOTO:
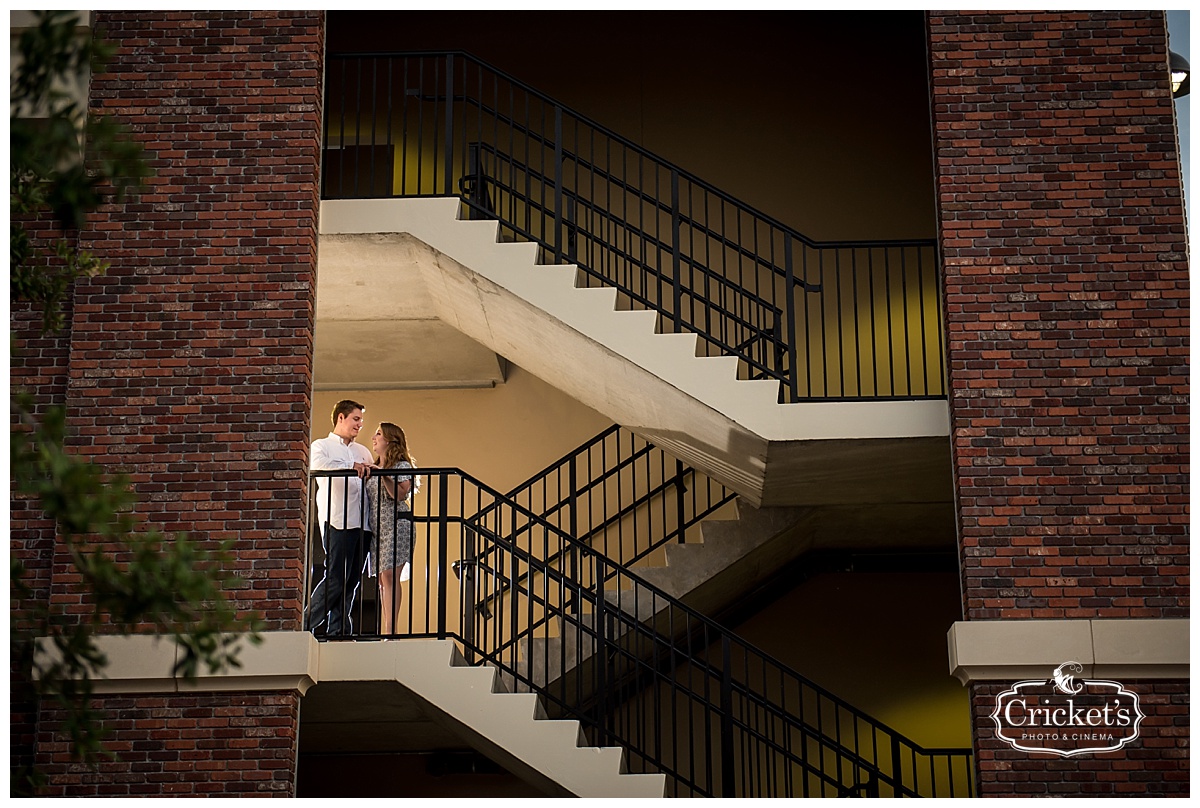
(190, 359)
(1066, 305)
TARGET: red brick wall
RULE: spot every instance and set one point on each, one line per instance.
(227, 744)
(190, 359)
(1066, 295)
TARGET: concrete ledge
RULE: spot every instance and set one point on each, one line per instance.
(512, 729)
(144, 663)
(1009, 650)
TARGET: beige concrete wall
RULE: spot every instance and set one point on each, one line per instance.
(500, 436)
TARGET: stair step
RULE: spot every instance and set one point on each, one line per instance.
(512, 728)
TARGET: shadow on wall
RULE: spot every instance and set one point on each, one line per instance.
(877, 640)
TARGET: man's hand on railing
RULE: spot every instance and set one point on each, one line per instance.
(363, 469)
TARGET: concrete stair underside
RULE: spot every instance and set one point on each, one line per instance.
(652, 383)
(510, 728)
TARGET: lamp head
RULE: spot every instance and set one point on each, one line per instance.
(1181, 76)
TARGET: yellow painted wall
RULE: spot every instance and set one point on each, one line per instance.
(819, 119)
(877, 640)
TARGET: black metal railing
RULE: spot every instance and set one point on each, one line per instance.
(844, 320)
(622, 496)
(680, 694)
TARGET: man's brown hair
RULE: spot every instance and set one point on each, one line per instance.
(345, 407)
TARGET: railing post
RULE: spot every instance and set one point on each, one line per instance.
(600, 656)
(790, 292)
(558, 185)
(728, 772)
(442, 566)
(676, 270)
(449, 183)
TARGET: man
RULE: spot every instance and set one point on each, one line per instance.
(343, 514)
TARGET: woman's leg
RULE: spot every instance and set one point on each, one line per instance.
(397, 594)
(386, 607)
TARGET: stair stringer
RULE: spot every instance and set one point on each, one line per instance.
(615, 362)
(510, 728)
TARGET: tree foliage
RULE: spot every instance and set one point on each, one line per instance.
(65, 163)
(61, 160)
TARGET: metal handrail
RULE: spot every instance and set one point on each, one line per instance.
(730, 720)
(629, 476)
(425, 124)
(474, 187)
(629, 144)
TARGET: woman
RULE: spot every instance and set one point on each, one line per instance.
(394, 530)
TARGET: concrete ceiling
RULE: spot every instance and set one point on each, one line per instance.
(375, 324)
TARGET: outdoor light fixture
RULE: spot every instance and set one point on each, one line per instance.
(1181, 75)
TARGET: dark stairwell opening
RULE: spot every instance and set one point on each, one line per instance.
(820, 120)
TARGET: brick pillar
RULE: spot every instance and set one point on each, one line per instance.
(1066, 305)
(190, 359)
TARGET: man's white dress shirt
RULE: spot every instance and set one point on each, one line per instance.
(340, 499)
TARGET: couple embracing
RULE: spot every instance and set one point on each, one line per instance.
(346, 508)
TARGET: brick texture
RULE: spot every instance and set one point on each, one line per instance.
(1066, 307)
(190, 365)
(228, 744)
(190, 359)
(1156, 764)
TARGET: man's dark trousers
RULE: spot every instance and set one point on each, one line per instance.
(333, 599)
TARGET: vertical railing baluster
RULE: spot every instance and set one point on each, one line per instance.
(600, 653)
(558, 185)
(448, 179)
(387, 129)
(572, 232)
(676, 269)
(469, 598)
(442, 559)
(573, 506)
(680, 490)
(371, 118)
(897, 772)
(728, 770)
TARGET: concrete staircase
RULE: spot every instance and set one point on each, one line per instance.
(428, 676)
(734, 557)
(616, 362)
(510, 728)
